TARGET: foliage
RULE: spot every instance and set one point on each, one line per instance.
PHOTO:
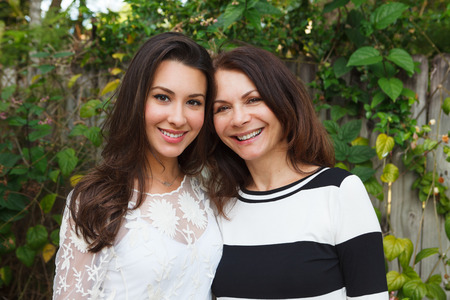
(64, 72)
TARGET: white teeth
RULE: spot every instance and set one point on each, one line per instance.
(249, 136)
(171, 134)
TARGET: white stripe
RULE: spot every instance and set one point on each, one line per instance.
(336, 295)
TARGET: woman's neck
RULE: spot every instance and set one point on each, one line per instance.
(275, 173)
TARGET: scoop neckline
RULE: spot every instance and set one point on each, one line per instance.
(165, 194)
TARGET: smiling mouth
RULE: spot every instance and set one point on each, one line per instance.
(172, 135)
(249, 136)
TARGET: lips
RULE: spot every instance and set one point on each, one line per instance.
(249, 135)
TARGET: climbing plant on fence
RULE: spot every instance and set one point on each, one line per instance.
(55, 90)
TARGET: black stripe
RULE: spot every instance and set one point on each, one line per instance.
(281, 271)
(330, 177)
(364, 271)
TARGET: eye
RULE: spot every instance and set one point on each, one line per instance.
(254, 100)
(162, 97)
(194, 102)
(221, 108)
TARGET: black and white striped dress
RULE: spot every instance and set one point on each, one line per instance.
(317, 238)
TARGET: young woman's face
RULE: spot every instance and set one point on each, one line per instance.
(174, 111)
(242, 119)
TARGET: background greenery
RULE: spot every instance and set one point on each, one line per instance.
(58, 73)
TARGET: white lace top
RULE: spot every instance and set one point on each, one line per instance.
(168, 248)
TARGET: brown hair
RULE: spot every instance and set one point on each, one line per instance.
(100, 199)
(308, 141)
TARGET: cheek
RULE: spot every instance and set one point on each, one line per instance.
(197, 119)
(219, 125)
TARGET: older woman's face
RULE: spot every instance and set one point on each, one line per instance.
(242, 119)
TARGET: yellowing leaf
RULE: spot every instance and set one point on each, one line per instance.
(119, 56)
(360, 141)
(384, 145)
(72, 80)
(110, 86)
(130, 39)
(390, 173)
(75, 179)
(48, 251)
(35, 78)
(341, 165)
(116, 71)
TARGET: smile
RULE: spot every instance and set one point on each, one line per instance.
(249, 136)
(172, 135)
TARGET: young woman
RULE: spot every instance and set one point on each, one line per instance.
(293, 227)
(139, 225)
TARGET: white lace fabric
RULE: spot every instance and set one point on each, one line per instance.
(168, 248)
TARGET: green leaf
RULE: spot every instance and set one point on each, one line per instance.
(63, 54)
(47, 202)
(436, 278)
(67, 161)
(26, 255)
(94, 135)
(447, 226)
(334, 4)
(8, 91)
(90, 108)
(405, 257)
(429, 144)
(390, 173)
(360, 154)
(387, 14)
(358, 2)
(40, 54)
(393, 247)
(79, 129)
(392, 87)
(331, 126)
(8, 159)
(340, 67)
(364, 173)
(425, 253)
(415, 289)
(350, 131)
(15, 201)
(377, 99)
(54, 236)
(341, 165)
(40, 131)
(53, 175)
(265, 8)
(337, 112)
(37, 237)
(410, 273)
(446, 106)
(395, 280)
(6, 275)
(435, 291)
(402, 59)
(341, 150)
(232, 14)
(46, 68)
(57, 218)
(384, 145)
(374, 188)
(253, 17)
(365, 56)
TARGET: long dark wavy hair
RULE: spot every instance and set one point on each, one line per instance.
(308, 141)
(100, 199)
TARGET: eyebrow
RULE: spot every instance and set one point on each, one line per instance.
(173, 93)
(242, 97)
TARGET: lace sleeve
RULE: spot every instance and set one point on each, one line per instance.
(79, 273)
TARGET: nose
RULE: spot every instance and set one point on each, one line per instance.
(240, 116)
(177, 116)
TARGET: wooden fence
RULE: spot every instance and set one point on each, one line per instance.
(410, 218)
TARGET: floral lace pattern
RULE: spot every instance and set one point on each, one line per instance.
(168, 248)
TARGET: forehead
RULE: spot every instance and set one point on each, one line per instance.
(232, 82)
